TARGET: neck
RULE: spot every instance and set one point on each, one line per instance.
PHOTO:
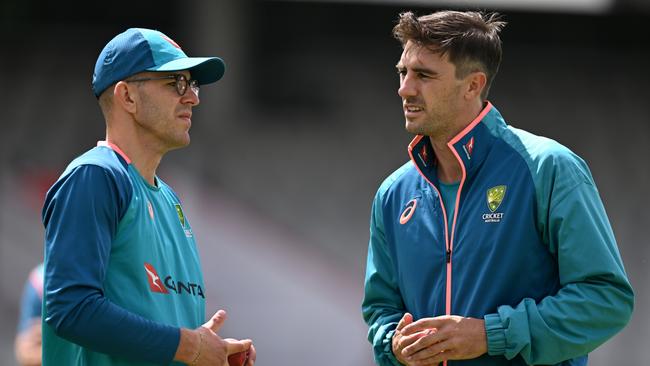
(144, 156)
(449, 169)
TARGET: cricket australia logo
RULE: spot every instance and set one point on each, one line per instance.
(181, 218)
(495, 196)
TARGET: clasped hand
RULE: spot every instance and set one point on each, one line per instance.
(429, 341)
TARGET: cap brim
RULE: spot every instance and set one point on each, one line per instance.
(204, 69)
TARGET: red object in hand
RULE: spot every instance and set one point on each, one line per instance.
(238, 359)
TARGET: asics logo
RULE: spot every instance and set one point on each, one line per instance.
(408, 211)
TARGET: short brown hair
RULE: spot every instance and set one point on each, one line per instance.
(469, 39)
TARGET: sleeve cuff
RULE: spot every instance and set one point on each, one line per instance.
(496, 335)
(388, 348)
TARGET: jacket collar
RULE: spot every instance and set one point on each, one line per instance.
(470, 146)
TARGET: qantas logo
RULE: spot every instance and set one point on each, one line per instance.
(154, 279)
(178, 287)
(171, 41)
(424, 155)
(469, 148)
(408, 211)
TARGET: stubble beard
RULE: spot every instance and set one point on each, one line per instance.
(165, 132)
(431, 126)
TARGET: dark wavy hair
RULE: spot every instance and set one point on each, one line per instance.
(470, 39)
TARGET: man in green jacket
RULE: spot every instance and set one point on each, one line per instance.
(491, 246)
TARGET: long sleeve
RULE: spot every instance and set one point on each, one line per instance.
(595, 299)
(382, 306)
(80, 215)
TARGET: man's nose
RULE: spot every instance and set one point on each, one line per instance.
(191, 97)
(406, 87)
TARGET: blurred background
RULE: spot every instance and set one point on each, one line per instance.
(289, 148)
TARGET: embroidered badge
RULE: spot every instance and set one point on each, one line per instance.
(495, 196)
(181, 216)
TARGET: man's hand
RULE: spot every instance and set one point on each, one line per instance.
(252, 355)
(28, 345)
(399, 341)
(211, 349)
(430, 341)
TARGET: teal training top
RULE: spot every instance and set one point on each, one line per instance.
(122, 271)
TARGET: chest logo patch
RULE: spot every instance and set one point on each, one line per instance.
(181, 216)
(155, 284)
(164, 286)
(408, 211)
(495, 196)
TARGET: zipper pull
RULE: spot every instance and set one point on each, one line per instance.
(448, 256)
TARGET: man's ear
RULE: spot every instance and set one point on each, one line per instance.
(475, 84)
(125, 96)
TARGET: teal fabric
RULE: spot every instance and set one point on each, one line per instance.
(448, 193)
(163, 49)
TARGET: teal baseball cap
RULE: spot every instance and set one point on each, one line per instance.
(139, 49)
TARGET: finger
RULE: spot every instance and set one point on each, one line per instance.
(437, 352)
(407, 318)
(234, 346)
(406, 341)
(216, 321)
(252, 356)
(431, 361)
(424, 323)
(420, 341)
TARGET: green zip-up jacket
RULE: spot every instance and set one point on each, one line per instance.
(530, 249)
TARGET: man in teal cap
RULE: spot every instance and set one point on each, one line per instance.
(123, 282)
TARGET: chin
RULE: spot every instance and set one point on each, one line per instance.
(179, 143)
(413, 128)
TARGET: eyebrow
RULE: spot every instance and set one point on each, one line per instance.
(424, 70)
